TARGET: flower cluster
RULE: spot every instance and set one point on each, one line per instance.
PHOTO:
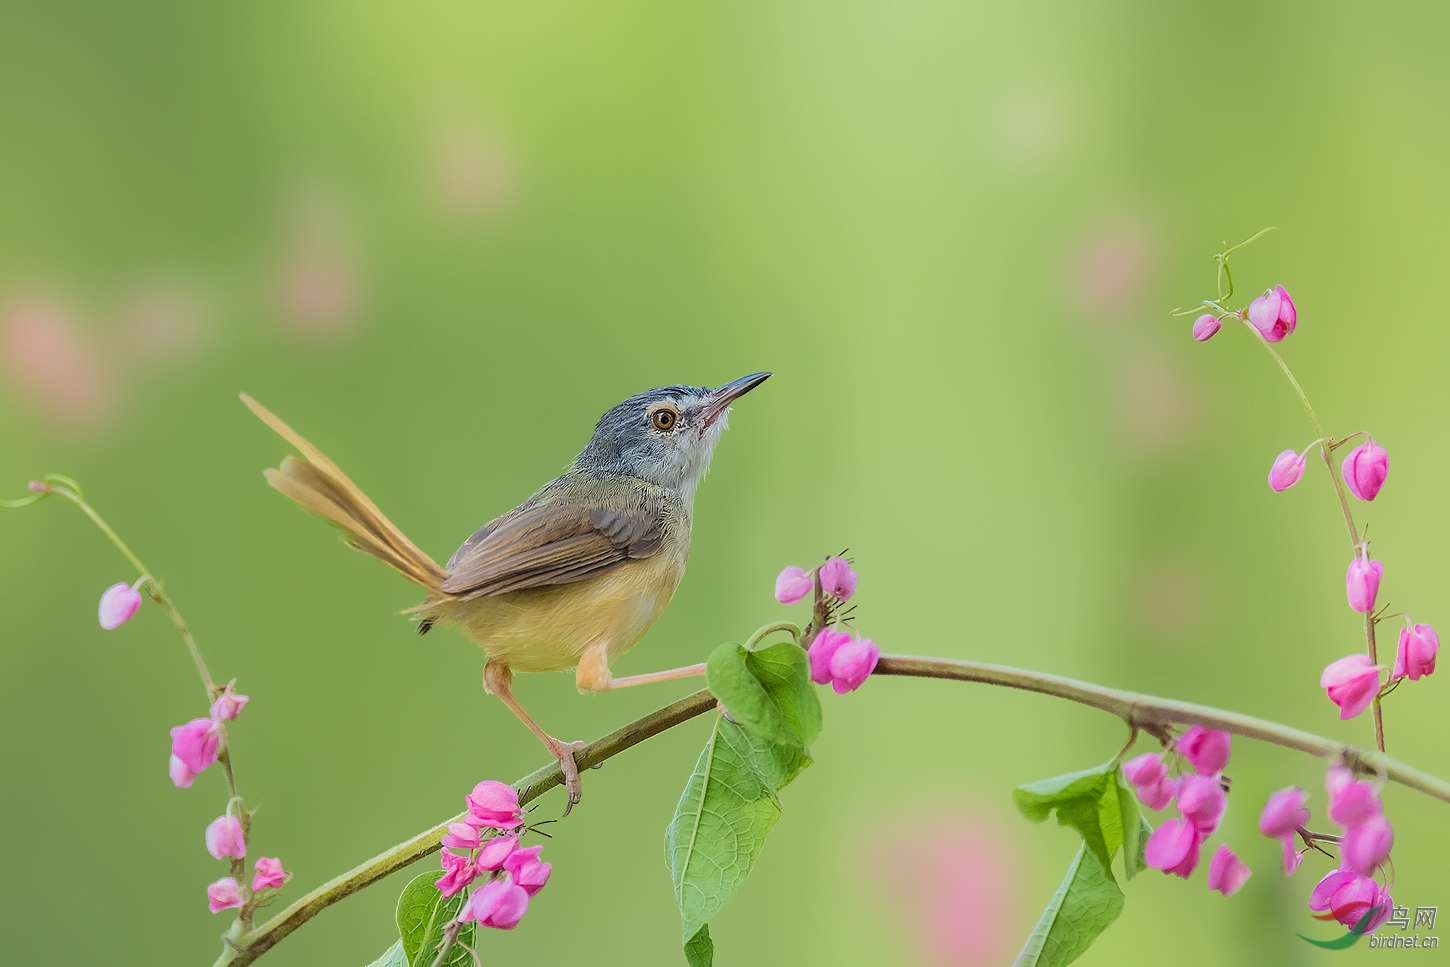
(1348, 893)
(515, 873)
(1174, 846)
(837, 657)
(195, 745)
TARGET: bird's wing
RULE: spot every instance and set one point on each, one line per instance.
(559, 539)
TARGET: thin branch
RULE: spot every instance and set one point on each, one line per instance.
(1146, 712)
(1149, 710)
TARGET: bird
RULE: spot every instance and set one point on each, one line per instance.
(572, 577)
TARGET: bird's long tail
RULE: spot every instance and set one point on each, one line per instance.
(318, 485)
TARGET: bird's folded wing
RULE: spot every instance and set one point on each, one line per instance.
(555, 541)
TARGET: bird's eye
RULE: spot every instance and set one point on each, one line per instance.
(664, 418)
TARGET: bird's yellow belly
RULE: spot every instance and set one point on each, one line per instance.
(548, 629)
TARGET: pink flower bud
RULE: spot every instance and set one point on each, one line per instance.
(118, 603)
(1173, 848)
(1365, 469)
(494, 804)
(224, 838)
(496, 851)
(228, 703)
(1347, 897)
(1202, 802)
(195, 744)
(1351, 683)
(529, 872)
(1366, 845)
(1273, 314)
(1351, 802)
(224, 894)
(270, 874)
(1284, 813)
(498, 903)
(1416, 657)
(792, 585)
(1362, 583)
(461, 836)
(852, 664)
(1157, 795)
(1145, 770)
(181, 776)
(1226, 872)
(823, 648)
(1207, 750)
(837, 578)
(459, 871)
(1205, 326)
(1287, 470)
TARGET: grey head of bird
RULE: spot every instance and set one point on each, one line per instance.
(665, 436)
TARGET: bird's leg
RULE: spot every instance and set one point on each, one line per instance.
(671, 674)
(498, 679)
(593, 674)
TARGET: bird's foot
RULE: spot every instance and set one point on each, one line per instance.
(564, 752)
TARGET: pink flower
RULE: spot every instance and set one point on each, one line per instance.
(498, 903)
(822, 650)
(224, 838)
(195, 744)
(1362, 583)
(224, 894)
(852, 664)
(1351, 683)
(1347, 896)
(1416, 657)
(1226, 872)
(1145, 770)
(1202, 802)
(461, 836)
(1156, 796)
(1287, 470)
(1205, 326)
(1351, 801)
(494, 804)
(792, 585)
(1273, 314)
(1283, 814)
(529, 872)
(1173, 848)
(1365, 469)
(1366, 845)
(495, 852)
(118, 603)
(459, 871)
(270, 874)
(181, 776)
(837, 578)
(1207, 750)
(228, 703)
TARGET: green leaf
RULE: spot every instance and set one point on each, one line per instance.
(1086, 902)
(1087, 801)
(422, 915)
(728, 806)
(1135, 829)
(392, 957)
(700, 951)
(768, 691)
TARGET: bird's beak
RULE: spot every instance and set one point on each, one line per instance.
(721, 398)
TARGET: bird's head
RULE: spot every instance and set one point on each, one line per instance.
(665, 436)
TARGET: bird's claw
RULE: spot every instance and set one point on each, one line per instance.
(564, 752)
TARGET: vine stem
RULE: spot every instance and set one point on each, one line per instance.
(1146, 712)
(1339, 490)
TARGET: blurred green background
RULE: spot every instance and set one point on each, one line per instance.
(442, 238)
